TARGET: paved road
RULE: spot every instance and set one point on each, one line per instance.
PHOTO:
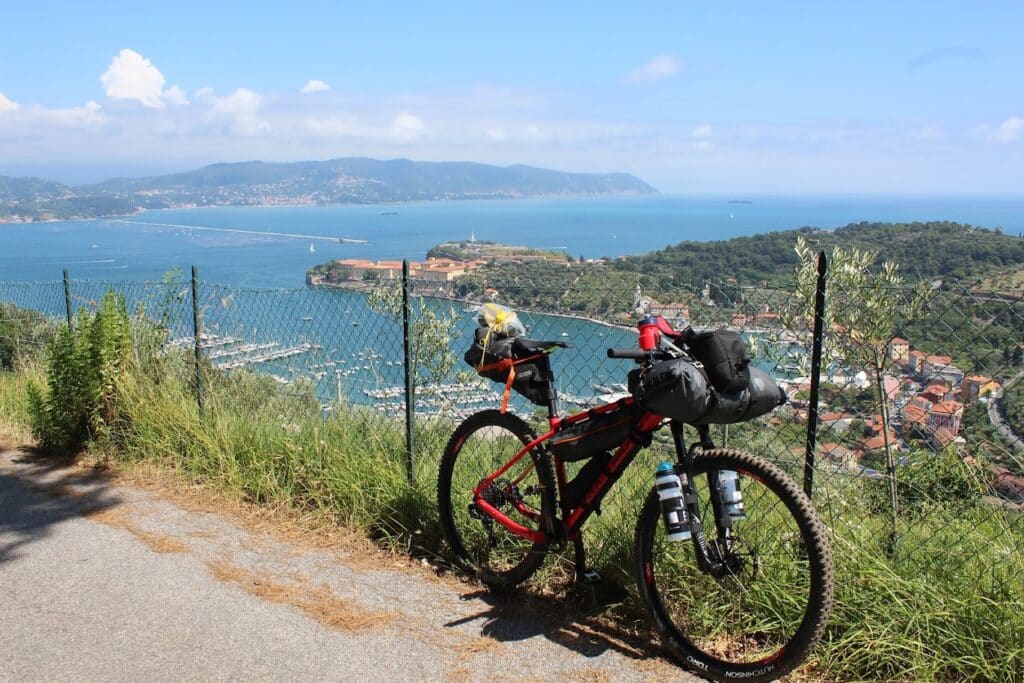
(102, 582)
(995, 415)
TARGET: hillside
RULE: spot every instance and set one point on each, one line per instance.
(927, 250)
(337, 181)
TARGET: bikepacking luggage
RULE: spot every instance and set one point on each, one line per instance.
(491, 356)
(603, 429)
(678, 389)
(724, 357)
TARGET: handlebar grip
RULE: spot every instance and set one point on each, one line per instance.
(634, 354)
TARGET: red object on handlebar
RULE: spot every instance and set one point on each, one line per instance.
(651, 328)
(650, 335)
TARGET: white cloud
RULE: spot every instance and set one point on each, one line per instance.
(658, 68)
(930, 132)
(7, 104)
(235, 113)
(1009, 130)
(497, 134)
(90, 116)
(131, 76)
(314, 85)
(406, 126)
(175, 95)
(703, 131)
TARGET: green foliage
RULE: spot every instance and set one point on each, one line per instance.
(82, 370)
(431, 328)
(23, 334)
(940, 249)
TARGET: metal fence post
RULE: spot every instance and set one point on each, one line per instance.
(812, 401)
(67, 297)
(197, 326)
(410, 399)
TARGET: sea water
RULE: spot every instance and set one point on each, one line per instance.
(156, 241)
(344, 347)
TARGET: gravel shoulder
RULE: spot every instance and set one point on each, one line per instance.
(106, 581)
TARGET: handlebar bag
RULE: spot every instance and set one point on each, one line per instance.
(673, 388)
(602, 430)
(760, 396)
(724, 357)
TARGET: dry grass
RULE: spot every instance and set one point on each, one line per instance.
(119, 519)
(318, 602)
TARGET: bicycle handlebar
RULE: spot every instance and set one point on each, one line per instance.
(633, 354)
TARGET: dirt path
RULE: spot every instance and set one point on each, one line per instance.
(104, 581)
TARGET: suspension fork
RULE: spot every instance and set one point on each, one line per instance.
(707, 563)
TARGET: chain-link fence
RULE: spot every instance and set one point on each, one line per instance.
(914, 447)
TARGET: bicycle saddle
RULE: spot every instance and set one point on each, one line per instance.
(521, 346)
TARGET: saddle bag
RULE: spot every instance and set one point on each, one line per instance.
(492, 357)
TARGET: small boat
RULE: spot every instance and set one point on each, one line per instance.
(355, 323)
(564, 334)
(306, 318)
(312, 249)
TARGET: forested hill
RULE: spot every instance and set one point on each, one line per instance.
(336, 181)
(927, 250)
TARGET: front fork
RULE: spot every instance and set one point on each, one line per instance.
(716, 561)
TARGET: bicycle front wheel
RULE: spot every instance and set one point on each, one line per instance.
(525, 492)
(758, 616)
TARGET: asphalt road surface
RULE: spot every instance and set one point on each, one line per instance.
(105, 582)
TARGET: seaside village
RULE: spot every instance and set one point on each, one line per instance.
(928, 391)
(929, 394)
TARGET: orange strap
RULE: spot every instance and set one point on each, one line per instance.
(511, 365)
(508, 388)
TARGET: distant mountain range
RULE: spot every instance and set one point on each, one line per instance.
(337, 181)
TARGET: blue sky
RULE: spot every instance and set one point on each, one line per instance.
(798, 98)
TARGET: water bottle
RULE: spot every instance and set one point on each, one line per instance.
(670, 496)
(729, 493)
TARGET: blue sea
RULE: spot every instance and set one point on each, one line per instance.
(341, 345)
(157, 241)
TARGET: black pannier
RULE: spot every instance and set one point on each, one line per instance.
(599, 432)
(533, 379)
(762, 395)
(673, 388)
(724, 357)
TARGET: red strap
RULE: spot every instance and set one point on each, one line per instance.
(508, 388)
(511, 365)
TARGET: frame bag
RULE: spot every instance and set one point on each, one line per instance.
(600, 431)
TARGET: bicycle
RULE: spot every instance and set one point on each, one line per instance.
(745, 598)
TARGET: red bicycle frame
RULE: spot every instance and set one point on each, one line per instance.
(573, 519)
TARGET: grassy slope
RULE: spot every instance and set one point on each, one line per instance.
(893, 620)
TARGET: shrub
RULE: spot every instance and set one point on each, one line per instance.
(82, 369)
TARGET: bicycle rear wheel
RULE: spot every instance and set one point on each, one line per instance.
(759, 619)
(480, 446)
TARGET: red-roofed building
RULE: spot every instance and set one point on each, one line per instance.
(942, 438)
(915, 361)
(899, 350)
(839, 454)
(946, 414)
(934, 363)
(937, 392)
(976, 386)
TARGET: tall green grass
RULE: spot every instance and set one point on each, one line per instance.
(945, 602)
